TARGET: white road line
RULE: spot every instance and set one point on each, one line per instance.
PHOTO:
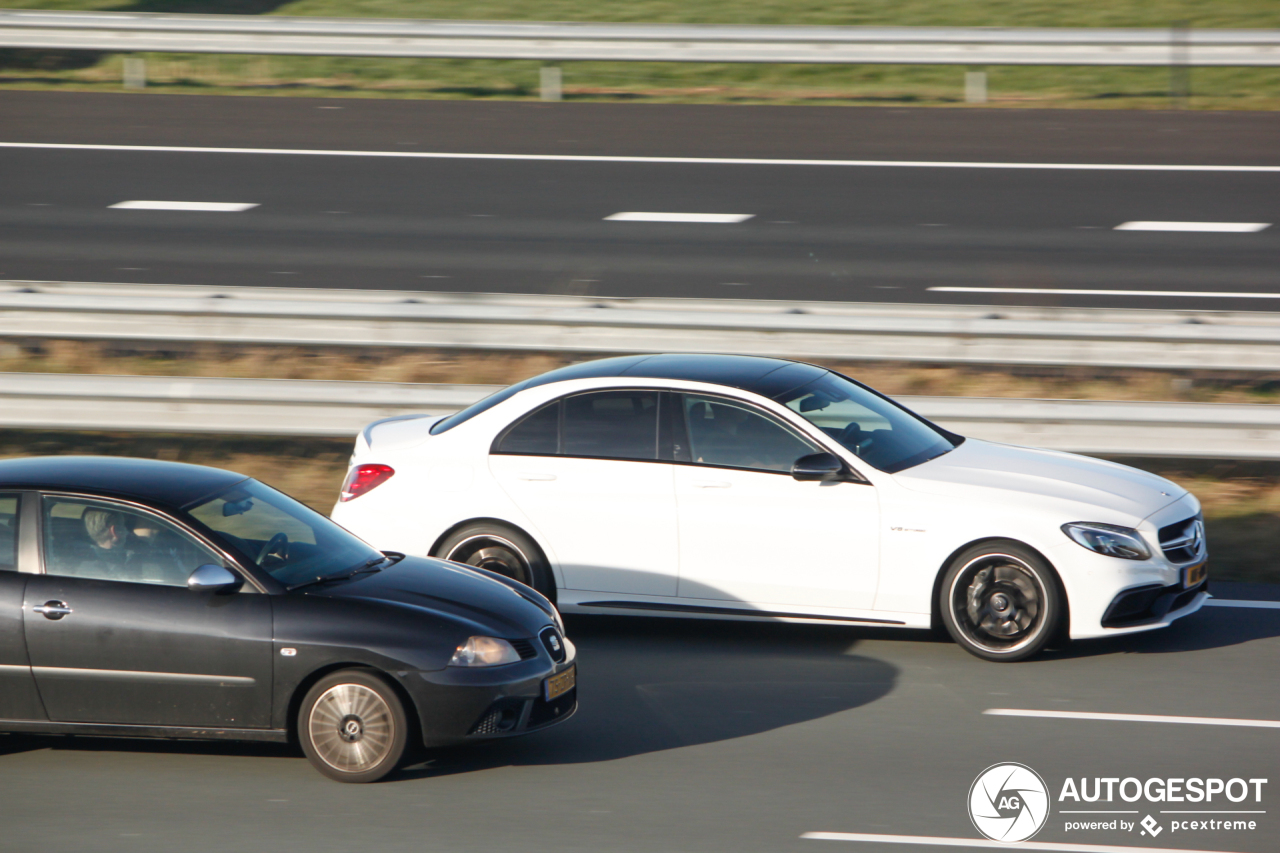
(934, 841)
(587, 158)
(1210, 227)
(1132, 718)
(714, 218)
(1191, 294)
(1231, 602)
(204, 206)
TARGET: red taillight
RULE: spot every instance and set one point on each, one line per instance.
(364, 478)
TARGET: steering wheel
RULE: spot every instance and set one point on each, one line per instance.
(277, 546)
(851, 437)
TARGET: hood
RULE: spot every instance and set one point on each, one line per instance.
(1050, 474)
(488, 604)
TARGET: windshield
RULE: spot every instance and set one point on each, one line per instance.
(282, 537)
(877, 430)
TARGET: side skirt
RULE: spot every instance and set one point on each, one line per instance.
(174, 732)
(730, 611)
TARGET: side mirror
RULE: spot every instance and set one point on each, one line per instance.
(818, 466)
(211, 578)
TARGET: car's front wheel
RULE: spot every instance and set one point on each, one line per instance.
(353, 726)
(1000, 601)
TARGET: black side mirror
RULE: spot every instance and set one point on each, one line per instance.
(213, 578)
(818, 466)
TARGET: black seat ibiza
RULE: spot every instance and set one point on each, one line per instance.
(146, 598)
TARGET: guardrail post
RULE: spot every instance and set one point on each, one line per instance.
(135, 72)
(1180, 63)
(975, 86)
(549, 83)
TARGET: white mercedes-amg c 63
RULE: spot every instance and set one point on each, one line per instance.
(757, 488)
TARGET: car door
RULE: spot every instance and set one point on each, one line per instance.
(751, 533)
(18, 698)
(587, 471)
(115, 636)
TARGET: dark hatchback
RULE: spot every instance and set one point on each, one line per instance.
(147, 598)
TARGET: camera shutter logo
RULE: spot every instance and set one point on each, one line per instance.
(1008, 802)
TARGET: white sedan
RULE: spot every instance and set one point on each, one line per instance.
(736, 487)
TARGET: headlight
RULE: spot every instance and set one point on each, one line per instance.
(484, 651)
(1109, 539)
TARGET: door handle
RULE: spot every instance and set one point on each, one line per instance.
(711, 484)
(54, 610)
(531, 475)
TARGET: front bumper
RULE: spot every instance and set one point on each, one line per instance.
(458, 704)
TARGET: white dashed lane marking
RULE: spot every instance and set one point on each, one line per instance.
(1187, 294)
(1229, 602)
(645, 216)
(1205, 227)
(199, 206)
(1132, 718)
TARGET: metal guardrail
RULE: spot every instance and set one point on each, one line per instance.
(1194, 341)
(135, 32)
(341, 409)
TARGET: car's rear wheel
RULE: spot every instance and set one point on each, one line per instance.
(353, 726)
(503, 550)
(1001, 601)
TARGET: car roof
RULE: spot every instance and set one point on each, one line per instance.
(768, 377)
(144, 480)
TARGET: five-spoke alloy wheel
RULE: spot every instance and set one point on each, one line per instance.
(1000, 601)
(353, 727)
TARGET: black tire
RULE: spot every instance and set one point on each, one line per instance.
(501, 549)
(1001, 601)
(352, 726)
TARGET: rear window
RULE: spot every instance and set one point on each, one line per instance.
(598, 425)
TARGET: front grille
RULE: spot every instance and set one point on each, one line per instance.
(524, 648)
(1148, 604)
(553, 642)
(1183, 541)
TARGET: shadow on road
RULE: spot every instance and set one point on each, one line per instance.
(645, 685)
(656, 684)
(1211, 628)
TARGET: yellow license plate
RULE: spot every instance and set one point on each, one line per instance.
(1195, 574)
(558, 685)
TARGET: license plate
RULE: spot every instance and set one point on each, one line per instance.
(558, 685)
(1195, 574)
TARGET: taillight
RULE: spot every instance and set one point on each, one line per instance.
(364, 478)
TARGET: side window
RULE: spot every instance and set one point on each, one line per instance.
(105, 541)
(733, 435)
(611, 425)
(8, 533)
(537, 435)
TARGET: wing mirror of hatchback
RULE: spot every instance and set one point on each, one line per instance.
(818, 466)
(213, 578)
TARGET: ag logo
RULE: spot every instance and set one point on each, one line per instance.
(1008, 802)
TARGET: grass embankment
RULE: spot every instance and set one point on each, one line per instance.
(1241, 500)
(1219, 88)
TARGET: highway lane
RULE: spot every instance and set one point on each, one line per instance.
(714, 736)
(820, 233)
(815, 232)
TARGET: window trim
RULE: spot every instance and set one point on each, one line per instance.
(252, 584)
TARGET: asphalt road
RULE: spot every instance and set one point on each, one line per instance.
(703, 737)
(833, 232)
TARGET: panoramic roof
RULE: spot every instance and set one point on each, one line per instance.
(144, 480)
(768, 377)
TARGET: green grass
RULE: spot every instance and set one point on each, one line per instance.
(1225, 88)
